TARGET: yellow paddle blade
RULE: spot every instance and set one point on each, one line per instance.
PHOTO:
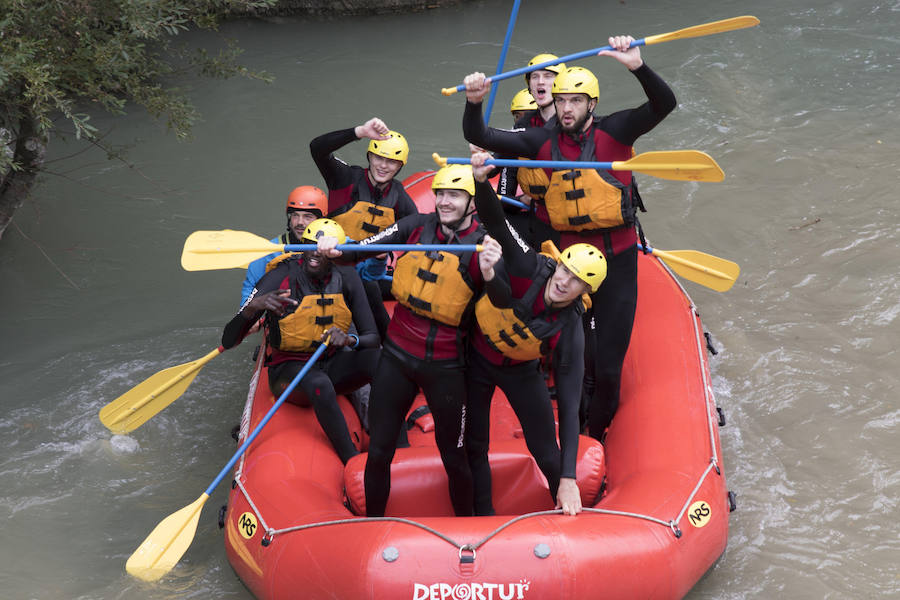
(166, 544)
(711, 271)
(225, 249)
(136, 406)
(680, 165)
(704, 29)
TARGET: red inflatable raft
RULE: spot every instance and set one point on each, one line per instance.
(656, 514)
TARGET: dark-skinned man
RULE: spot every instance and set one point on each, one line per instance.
(306, 299)
(589, 206)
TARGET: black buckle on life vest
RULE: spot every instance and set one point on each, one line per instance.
(325, 301)
(537, 189)
(325, 320)
(419, 303)
(505, 337)
(434, 255)
(369, 228)
(427, 276)
(579, 220)
(575, 194)
(517, 329)
(376, 211)
(574, 174)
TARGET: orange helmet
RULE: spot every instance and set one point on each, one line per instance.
(308, 198)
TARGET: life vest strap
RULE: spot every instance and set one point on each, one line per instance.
(325, 320)
(434, 255)
(419, 303)
(325, 301)
(505, 337)
(538, 189)
(580, 220)
(517, 329)
(427, 276)
(573, 174)
(575, 194)
(376, 211)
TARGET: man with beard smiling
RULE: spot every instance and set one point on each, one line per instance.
(597, 207)
(425, 344)
(306, 299)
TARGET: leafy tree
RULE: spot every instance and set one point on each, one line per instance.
(58, 57)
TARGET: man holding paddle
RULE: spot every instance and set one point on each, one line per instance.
(425, 344)
(585, 205)
(307, 299)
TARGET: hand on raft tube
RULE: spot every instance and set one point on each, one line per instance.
(568, 498)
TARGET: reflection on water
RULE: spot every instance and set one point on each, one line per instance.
(800, 114)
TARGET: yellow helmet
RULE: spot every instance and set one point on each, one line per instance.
(327, 227)
(576, 80)
(587, 263)
(455, 177)
(542, 58)
(394, 147)
(523, 100)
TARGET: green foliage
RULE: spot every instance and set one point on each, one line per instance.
(58, 57)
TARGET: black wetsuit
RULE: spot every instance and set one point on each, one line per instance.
(337, 372)
(420, 352)
(342, 181)
(613, 305)
(523, 381)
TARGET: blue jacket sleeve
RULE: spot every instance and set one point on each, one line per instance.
(255, 271)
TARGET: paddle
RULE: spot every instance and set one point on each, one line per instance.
(689, 32)
(679, 165)
(229, 249)
(711, 271)
(136, 406)
(509, 30)
(166, 544)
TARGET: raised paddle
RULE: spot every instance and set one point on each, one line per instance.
(136, 406)
(166, 544)
(509, 30)
(710, 271)
(679, 165)
(229, 249)
(682, 34)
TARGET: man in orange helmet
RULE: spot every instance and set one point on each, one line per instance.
(305, 204)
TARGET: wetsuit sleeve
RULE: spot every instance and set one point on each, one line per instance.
(568, 375)
(240, 324)
(499, 289)
(519, 142)
(335, 172)
(519, 258)
(628, 125)
(355, 294)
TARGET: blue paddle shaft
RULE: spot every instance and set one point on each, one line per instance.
(513, 202)
(265, 419)
(534, 164)
(562, 59)
(509, 30)
(390, 247)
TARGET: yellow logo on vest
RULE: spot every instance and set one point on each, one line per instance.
(699, 514)
(247, 525)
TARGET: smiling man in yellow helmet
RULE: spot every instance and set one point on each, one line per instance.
(426, 339)
(597, 207)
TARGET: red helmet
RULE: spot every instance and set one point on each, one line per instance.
(308, 198)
